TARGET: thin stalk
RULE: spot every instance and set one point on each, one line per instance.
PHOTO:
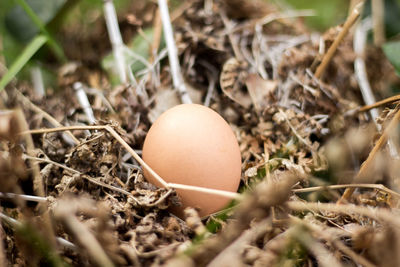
(68, 136)
(38, 185)
(177, 79)
(341, 186)
(84, 102)
(24, 197)
(360, 70)
(385, 101)
(231, 195)
(116, 40)
(378, 15)
(381, 214)
(37, 81)
(365, 167)
(332, 49)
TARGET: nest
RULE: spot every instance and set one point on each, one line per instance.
(299, 135)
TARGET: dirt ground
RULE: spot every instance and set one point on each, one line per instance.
(320, 178)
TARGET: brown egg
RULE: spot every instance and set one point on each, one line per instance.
(193, 145)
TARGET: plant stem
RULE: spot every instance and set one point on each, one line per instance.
(378, 15)
(365, 167)
(360, 70)
(332, 49)
(380, 103)
(177, 79)
(116, 39)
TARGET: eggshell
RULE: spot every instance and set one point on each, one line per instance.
(191, 144)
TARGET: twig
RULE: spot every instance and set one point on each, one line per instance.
(46, 115)
(14, 223)
(37, 81)
(385, 101)
(65, 128)
(116, 39)
(136, 156)
(99, 93)
(51, 162)
(210, 89)
(84, 102)
(38, 185)
(365, 167)
(140, 160)
(332, 49)
(38, 181)
(24, 197)
(229, 27)
(157, 26)
(360, 70)
(212, 76)
(177, 79)
(231, 195)
(352, 4)
(382, 214)
(378, 16)
(341, 186)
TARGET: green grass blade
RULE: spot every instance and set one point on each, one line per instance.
(25, 56)
(53, 44)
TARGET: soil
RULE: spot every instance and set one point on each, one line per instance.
(299, 136)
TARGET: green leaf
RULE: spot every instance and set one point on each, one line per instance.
(37, 21)
(19, 23)
(21, 61)
(392, 51)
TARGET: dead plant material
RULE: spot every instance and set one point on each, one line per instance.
(332, 49)
(254, 207)
(367, 166)
(383, 102)
(302, 139)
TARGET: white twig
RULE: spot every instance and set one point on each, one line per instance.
(172, 53)
(360, 37)
(37, 80)
(24, 197)
(67, 136)
(14, 223)
(84, 102)
(115, 38)
(231, 195)
(97, 92)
